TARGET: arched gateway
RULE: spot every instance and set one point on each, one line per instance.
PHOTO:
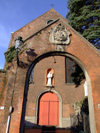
(45, 67)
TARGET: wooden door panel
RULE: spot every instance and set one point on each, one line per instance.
(49, 109)
(54, 113)
(43, 113)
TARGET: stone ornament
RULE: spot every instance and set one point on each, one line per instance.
(60, 48)
(59, 35)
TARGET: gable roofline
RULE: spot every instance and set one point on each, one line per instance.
(65, 21)
(18, 32)
(83, 38)
(35, 33)
(36, 19)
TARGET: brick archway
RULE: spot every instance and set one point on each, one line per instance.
(38, 45)
(59, 53)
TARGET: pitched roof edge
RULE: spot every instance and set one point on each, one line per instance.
(84, 39)
(66, 22)
(35, 33)
(35, 19)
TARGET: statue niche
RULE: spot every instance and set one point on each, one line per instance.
(50, 77)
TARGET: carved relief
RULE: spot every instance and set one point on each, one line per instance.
(59, 35)
(60, 48)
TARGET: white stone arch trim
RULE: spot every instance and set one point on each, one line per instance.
(90, 98)
(60, 105)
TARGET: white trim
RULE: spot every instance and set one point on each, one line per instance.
(85, 89)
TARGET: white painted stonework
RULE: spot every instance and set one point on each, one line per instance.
(85, 89)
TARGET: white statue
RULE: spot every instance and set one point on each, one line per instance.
(49, 79)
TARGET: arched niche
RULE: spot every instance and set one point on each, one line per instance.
(49, 71)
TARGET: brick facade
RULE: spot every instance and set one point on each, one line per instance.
(68, 92)
(38, 53)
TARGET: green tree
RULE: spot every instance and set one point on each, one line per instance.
(84, 16)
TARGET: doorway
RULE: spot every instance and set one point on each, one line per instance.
(49, 109)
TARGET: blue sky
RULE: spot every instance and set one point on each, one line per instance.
(14, 14)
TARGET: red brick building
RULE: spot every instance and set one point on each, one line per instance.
(40, 94)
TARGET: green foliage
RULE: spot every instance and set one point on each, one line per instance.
(2, 70)
(83, 104)
(84, 16)
(10, 54)
(78, 75)
(84, 107)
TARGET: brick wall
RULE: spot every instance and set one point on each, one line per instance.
(38, 45)
(69, 92)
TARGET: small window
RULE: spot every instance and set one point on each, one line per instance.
(69, 69)
(49, 21)
(73, 72)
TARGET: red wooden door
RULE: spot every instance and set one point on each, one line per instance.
(49, 109)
